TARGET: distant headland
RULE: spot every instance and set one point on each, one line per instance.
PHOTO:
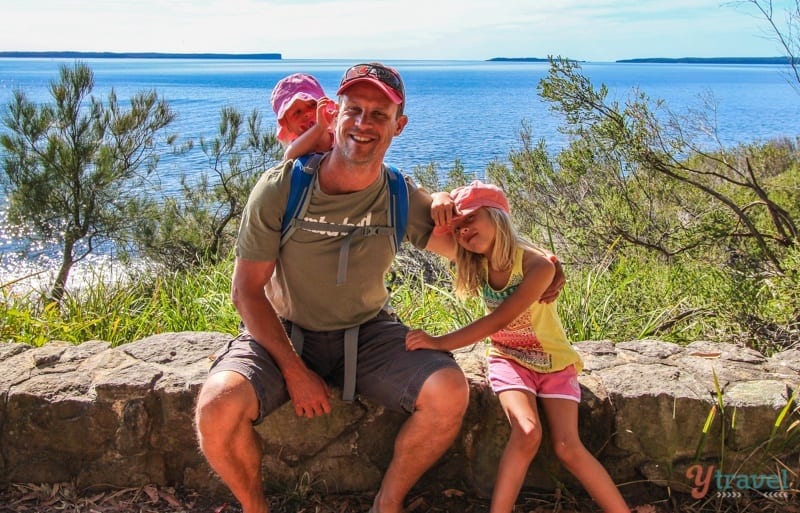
(680, 60)
(143, 55)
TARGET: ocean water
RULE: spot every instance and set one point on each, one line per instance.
(467, 110)
(470, 110)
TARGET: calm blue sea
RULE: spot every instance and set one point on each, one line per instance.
(470, 110)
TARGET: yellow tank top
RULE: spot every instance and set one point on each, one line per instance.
(536, 339)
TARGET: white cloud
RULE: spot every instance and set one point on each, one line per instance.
(389, 29)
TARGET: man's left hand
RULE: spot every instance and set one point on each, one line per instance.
(559, 280)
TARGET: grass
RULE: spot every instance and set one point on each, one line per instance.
(140, 305)
(620, 299)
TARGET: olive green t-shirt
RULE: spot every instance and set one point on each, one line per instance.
(303, 288)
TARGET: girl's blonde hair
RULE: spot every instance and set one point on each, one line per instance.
(470, 272)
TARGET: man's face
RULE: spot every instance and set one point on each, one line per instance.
(367, 123)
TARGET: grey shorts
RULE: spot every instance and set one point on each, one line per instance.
(386, 373)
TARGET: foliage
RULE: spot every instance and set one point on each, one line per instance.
(200, 223)
(613, 300)
(137, 306)
(423, 296)
(77, 167)
(639, 174)
(429, 176)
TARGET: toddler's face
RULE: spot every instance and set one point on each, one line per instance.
(301, 116)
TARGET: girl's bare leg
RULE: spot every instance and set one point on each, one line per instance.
(523, 444)
(562, 420)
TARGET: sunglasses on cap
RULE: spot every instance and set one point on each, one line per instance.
(382, 74)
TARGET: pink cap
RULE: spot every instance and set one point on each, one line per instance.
(298, 86)
(386, 78)
(469, 198)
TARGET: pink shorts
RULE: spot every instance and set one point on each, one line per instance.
(507, 374)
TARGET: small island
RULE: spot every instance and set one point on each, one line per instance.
(667, 60)
(141, 55)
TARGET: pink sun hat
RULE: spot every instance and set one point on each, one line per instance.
(292, 88)
(469, 198)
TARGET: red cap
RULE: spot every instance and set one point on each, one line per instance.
(386, 78)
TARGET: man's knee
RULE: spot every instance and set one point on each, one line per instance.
(446, 391)
(226, 398)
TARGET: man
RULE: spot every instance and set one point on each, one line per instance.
(309, 284)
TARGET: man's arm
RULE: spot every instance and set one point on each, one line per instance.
(308, 392)
(442, 243)
(559, 280)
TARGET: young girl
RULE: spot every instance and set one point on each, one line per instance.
(304, 113)
(530, 356)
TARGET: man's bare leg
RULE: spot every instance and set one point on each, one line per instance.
(226, 407)
(424, 437)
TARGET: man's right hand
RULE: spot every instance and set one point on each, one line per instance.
(310, 395)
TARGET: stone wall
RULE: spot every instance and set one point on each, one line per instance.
(93, 414)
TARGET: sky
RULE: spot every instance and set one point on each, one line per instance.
(591, 30)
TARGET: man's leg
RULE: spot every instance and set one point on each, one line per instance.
(226, 408)
(425, 436)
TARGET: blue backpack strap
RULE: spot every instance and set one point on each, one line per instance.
(303, 172)
(398, 205)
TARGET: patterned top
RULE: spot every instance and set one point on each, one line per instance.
(536, 339)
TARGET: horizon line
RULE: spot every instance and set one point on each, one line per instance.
(279, 56)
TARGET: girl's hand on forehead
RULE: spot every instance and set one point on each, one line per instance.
(442, 209)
